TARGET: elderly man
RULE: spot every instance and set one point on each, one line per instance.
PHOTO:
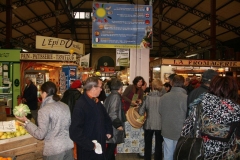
(173, 109)
(90, 122)
(30, 98)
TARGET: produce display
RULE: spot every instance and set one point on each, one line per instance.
(5, 158)
(20, 131)
(21, 110)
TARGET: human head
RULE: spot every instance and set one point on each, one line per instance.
(224, 87)
(208, 75)
(144, 86)
(116, 84)
(178, 81)
(167, 86)
(170, 78)
(157, 85)
(93, 86)
(49, 89)
(28, 80)
(138, 81)
(76, 84)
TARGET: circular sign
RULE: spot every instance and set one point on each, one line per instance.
(16, 82)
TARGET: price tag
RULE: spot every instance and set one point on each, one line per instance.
(7, 126)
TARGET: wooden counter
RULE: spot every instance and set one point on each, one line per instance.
(23, 148)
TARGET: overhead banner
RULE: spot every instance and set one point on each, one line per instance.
(10, 55)
(121, 26)
(204, 63)
(47, 57)
(58, 44)
(84, 61)
(122, 57)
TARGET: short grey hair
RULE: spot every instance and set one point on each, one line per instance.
(116, 84)
(28, 78)
(91, 82)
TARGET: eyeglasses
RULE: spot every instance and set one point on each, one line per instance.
(99, 86)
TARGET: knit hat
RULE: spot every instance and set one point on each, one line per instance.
(208, 75)
(76, 84)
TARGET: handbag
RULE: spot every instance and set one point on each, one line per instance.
(191, 147)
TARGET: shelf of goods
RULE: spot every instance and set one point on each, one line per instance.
(22, 148)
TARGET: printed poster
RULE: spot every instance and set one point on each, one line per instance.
(122, 57)
(121, 26)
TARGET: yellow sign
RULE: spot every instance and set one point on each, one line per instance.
(58, 44)
(202, 63)
(47, 57)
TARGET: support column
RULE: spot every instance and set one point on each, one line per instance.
(139, 64)
(8, 23)
(213, 30)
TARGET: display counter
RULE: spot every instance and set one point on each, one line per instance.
(22, 148)
(134, 141)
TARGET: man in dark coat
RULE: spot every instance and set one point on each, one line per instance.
(30, 98)
(206, 79)
(90, 122)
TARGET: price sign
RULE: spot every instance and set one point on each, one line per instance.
(7, 126)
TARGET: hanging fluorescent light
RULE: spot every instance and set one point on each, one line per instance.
(191, 55)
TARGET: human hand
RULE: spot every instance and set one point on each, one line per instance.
(139, 101)
(120, 128)
(134, 103)
(24, 118)
(108, 136)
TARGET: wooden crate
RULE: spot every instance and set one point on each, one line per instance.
(23, 147)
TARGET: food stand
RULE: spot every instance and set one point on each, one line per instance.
(22, 148)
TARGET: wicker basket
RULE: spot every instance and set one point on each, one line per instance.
(132, 116)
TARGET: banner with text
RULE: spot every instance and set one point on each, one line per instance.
(121, 26)
(58, 44)
(47, 57)
(122, 57)
(196, 62)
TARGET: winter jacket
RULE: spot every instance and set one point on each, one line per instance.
(173, 109)
(151, 106)
(53, 127)
(90, 121)
(113, 105)
(219, 127)
(30, 94)
(70, 97)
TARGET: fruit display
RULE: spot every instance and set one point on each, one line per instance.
(6, 158)
(21, 110)
(20, 131)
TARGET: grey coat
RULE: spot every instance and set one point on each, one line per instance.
(173, 109)
(151, 106)
(113, 105)
(53, 127)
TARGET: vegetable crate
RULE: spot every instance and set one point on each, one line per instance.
(22, 148)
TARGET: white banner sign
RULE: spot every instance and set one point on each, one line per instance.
(84, 61)
(47, 57)
(58, 44)
(7, 126)
(122, 57)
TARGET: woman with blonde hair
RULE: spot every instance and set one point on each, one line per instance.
(152, 124)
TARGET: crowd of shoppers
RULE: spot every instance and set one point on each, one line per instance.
(96, 127)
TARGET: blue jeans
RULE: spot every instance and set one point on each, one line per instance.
(168, 148)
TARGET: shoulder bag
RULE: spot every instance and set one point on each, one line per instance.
(191, 147)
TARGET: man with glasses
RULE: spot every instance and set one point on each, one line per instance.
(91, 126)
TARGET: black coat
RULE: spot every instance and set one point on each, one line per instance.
(70, 97)
(30, 94)
(90, 121)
